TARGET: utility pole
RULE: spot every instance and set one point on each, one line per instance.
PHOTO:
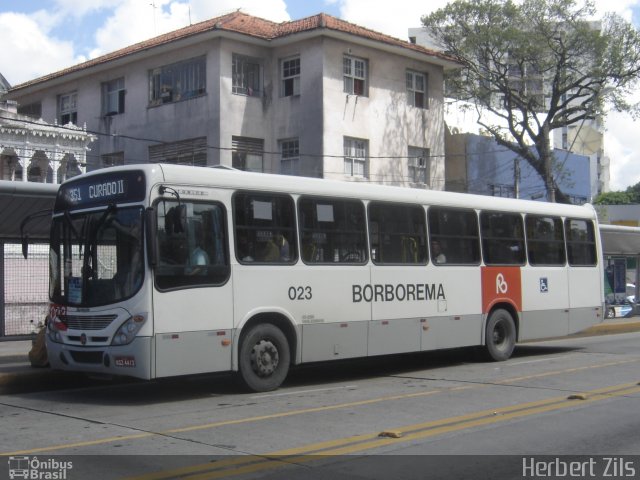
(516, 177)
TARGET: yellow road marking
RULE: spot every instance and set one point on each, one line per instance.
(137, 436)
(360, 443)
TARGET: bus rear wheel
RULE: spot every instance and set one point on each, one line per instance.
(264, 358)
(500, 335)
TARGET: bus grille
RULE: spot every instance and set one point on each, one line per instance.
(86, 357)
(95, 322)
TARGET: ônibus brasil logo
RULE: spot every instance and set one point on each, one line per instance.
(38, 469)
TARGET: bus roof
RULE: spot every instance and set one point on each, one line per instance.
(237, 179)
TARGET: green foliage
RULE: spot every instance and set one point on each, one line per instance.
(536, 66)
(613, 198)
(634, 193)
(629, 196)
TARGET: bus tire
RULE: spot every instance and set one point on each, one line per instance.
(264, 358)
(500, 335)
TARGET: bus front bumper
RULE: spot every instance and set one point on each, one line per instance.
(133, 360)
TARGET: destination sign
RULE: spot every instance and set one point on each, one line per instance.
(105, 189)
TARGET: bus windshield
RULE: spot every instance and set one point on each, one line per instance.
(96, 258)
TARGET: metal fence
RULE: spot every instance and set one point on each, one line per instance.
(24, 294)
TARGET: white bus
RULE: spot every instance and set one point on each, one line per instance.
(163, 270)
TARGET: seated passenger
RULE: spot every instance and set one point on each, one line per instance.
(269, 252)
(436, 253)
(198, 260)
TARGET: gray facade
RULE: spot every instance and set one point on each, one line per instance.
(250, 110)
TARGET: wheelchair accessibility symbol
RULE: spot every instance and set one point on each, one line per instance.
(544, 285)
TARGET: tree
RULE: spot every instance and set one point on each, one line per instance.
(629, 196)
(613, 198)
(537, 65)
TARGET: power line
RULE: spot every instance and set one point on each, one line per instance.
(264, 152)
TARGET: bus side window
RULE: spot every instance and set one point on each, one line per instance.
(581, 242)
(456, 232)
(545, 240)
(332, 231)
(398, 234)
(192, 245)
(502, 238)
(264, 228)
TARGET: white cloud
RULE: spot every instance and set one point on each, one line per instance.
(403, 14)
(133, 21)
(80, 8)
(275, 10)
(622, 146)
(621, 7)
(28, 52)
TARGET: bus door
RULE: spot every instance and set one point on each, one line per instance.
(585, 275)
(545, 283)
(192, 301)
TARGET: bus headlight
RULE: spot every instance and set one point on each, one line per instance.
(54, 327)
(128, 330)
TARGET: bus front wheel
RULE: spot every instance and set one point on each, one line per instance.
(500, 335)
(264, 358)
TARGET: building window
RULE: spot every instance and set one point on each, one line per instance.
(418, 165)
(246, 76)
(291, 77)
(113, 97)
(416, 89)
(355, 75)
(501, 190)
(192, 151)
(247, 154)
(178, 81)
(355, 157)
(68, 108)
(289, 156)
(33, 110)
(114, 159)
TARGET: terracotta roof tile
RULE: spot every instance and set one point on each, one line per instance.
(244, 24)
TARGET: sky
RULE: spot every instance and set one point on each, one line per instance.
(44, 36)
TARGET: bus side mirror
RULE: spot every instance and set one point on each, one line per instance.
(25, 246)
(150, 234)
(25, 236)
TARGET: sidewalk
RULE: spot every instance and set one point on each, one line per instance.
(17, 374)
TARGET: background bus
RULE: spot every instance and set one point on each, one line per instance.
(163, 270)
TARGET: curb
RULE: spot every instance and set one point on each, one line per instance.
(612, 328)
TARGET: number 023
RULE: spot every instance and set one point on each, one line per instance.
(300, 293)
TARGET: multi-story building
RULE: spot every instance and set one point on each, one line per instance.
(315, 97)
(478, 164)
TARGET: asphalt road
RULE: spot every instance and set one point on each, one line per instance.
(435, 415)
